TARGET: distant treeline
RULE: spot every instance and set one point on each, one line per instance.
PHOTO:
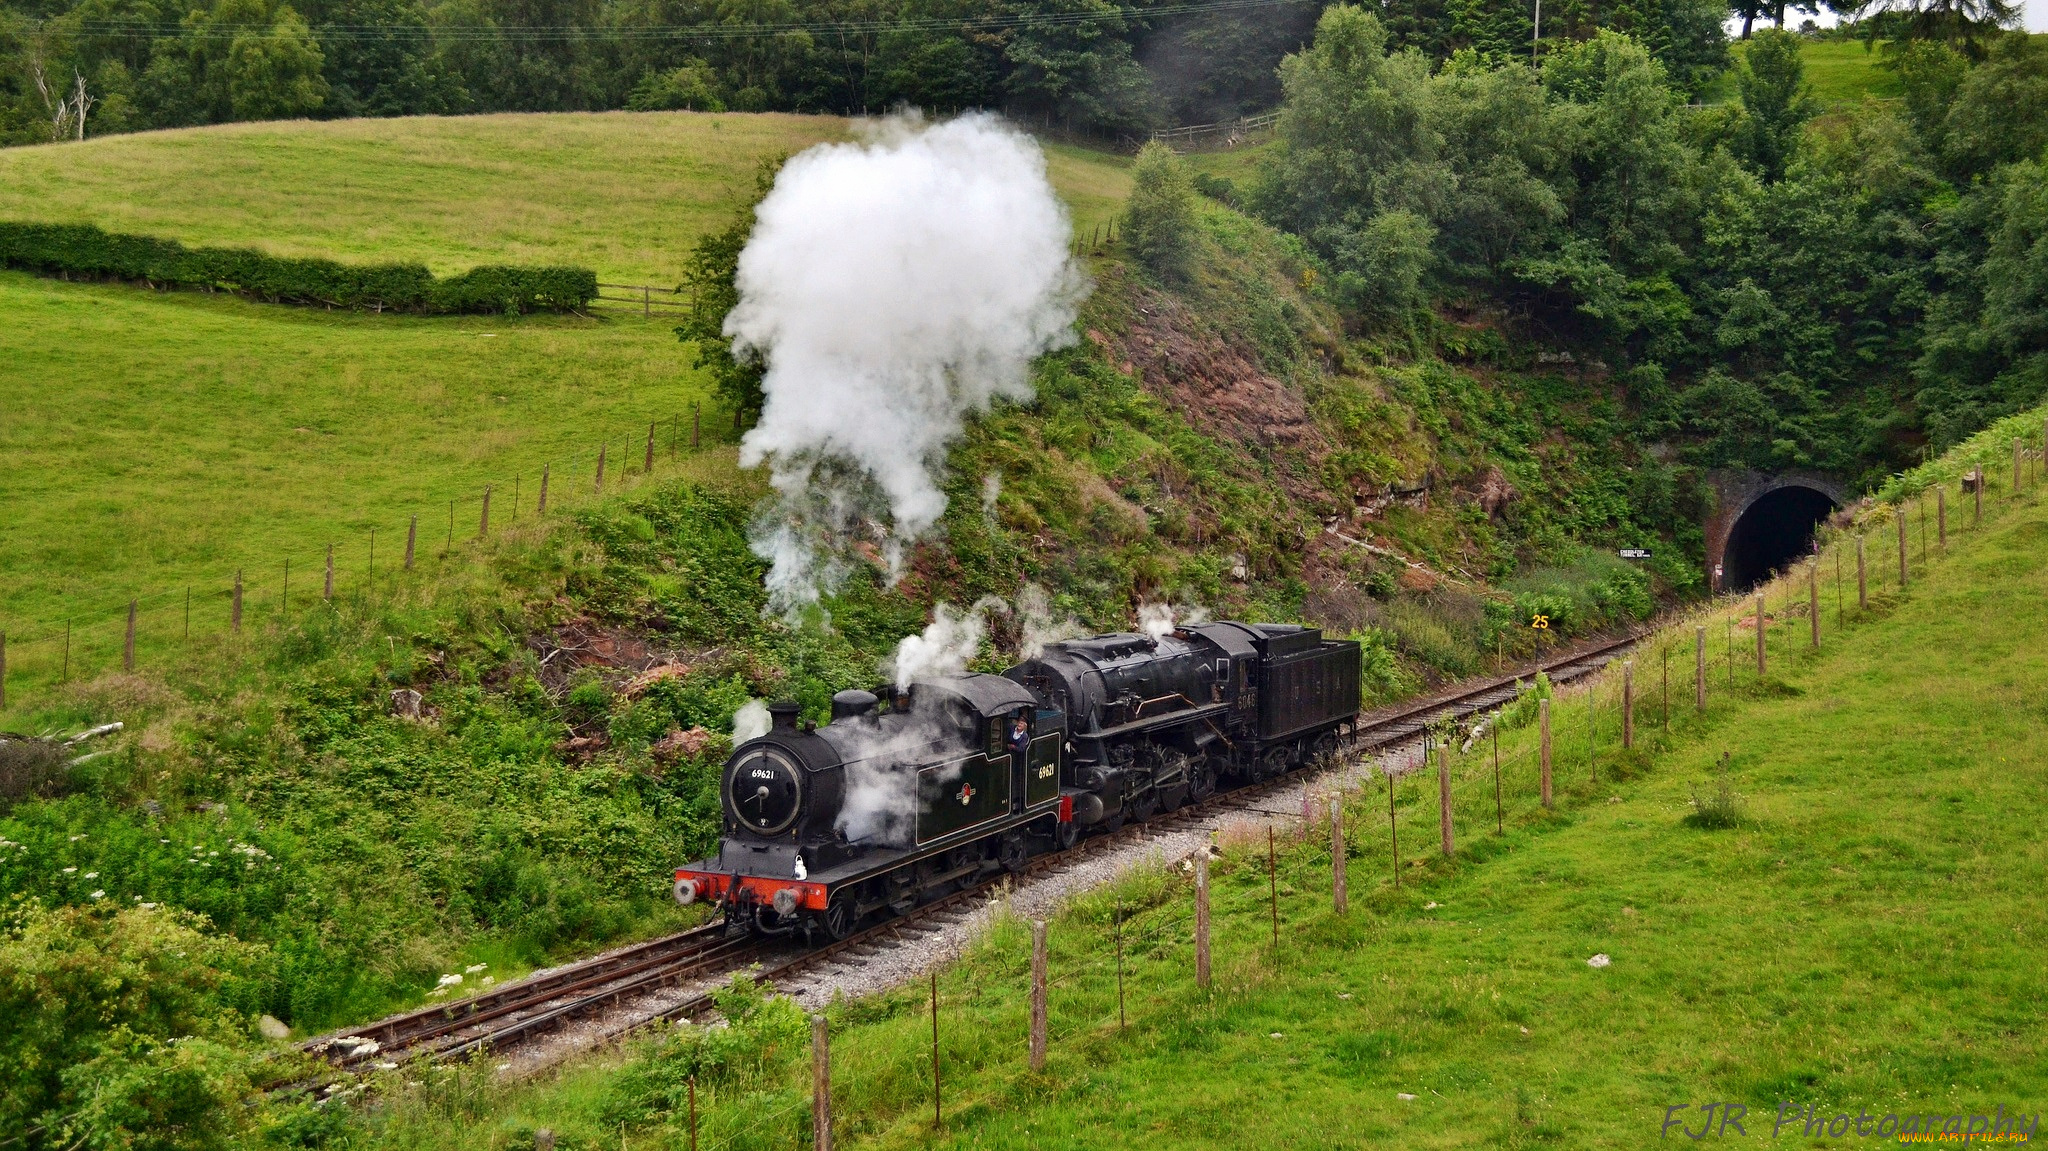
(1089, 66)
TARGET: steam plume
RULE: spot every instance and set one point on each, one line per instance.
(1159, 619)
(895, 287)
(1038, 626)
(947, 643)
(751, 721)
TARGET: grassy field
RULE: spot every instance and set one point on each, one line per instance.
(1861, 935)
(1839, 72)
(624, 193)
(161, 441)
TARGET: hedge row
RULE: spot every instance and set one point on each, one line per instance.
(82, 250)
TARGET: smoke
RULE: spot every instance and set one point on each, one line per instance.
(946, 644)
(1037, 626)
(1159, 619)
(750, 721)
(895, 287)
(991, 491)
(880, 803)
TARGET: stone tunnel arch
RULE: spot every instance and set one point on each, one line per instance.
(1763, 522)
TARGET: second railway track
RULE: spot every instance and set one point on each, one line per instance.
(515, 1013)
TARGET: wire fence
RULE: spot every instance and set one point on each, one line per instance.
(1103, 979)
(39, 659)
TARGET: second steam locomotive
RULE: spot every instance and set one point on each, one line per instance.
(916, 791)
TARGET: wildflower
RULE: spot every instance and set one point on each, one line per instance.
(99, 895)
(149, 907)
(1599, 961)
(76, 838)
(473, 968)
(90, 875)
(450, 980)
(69, 870)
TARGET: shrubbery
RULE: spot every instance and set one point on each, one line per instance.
(83, 250)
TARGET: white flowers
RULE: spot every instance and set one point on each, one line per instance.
(76, 838)
(473, 968)
(99, 895)
(1404, 1097)
(69, 870)
(450, 980)
(90, 875)
(1599, 960)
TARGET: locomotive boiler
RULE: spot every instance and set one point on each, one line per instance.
(914, 791)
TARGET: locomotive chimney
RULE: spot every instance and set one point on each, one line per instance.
(852, 704)
(783, 712)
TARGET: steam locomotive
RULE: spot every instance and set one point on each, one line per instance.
(915, 791)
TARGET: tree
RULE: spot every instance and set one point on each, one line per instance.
(274, 73)
(709, 276)
(1159, 217)
(1964, 23)
(1775, 100)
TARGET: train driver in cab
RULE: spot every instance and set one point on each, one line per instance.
(1020, 735)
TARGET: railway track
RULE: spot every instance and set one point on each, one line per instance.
(517, 1012)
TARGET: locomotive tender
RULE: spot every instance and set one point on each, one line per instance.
(958, 777)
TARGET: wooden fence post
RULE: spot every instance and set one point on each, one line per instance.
(1813, 601)
(543, 508)
(1340, 897)
(696, 422)
(1202, 919)
(3, 669)
(938, 1115)
(1543, 747)
(1393, 829)
(648, 467)
(1273, 887)
(284, 599)
(483, 523)
(1443, 792)
(1628, 704)
(128, 644)
(1862, 582)
(412, 539)
(599, 486)
(1759, 635)
(1977, 495)
(1941, 515)
(1038, 995)
(449, 545)
(821, 1084)
(1699, 668)
(327, 591)
(2016, 446)
(235, 616)
(1902, 546)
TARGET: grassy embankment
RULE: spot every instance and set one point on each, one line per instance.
(1853, 925)
(159, 442)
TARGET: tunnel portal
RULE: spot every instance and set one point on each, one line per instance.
(1773, 531)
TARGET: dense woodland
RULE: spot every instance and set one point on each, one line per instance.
(1089, 66)
(1771, 286)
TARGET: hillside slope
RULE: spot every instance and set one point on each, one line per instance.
(1819, 896)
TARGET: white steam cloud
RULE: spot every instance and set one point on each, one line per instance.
(751, 721)
(1159, 619)
(1038, 625)
(894, 287)
(946, 644)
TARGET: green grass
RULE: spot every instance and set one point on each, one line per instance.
(159, 442)
(1866, 937)
(624, 193)
(1838, 71)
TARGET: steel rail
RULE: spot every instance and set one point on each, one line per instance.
(646, 967)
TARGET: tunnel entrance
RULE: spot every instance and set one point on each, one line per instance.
(1771, 533)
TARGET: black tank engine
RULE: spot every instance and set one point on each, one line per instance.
(911, 793)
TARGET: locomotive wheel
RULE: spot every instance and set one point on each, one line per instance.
(1065, 835)
(1145, 806)
(1201, 781)
(1274, 763)
(1325, 751)
(839, 917)
(1013, 853)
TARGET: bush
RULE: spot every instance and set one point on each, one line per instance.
(762, 1033)
(82, 250)
(1159, 220)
